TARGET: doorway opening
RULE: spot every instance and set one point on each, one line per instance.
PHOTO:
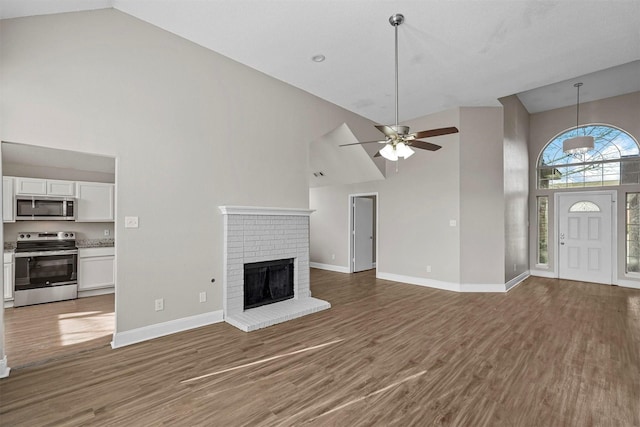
(363, 232)
(43, 331)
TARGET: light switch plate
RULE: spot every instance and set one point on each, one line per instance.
(453, 223)
(130, 222)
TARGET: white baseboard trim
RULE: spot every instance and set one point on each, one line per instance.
(96, 292)
(628, 284)
(133, 336)
(4, 369)
(454, 287)
(8, 304)
(330, 267)
(420, 281)
(482, 287)
(516, 280)
(544, 273)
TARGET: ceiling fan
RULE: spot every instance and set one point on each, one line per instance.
(398, 140)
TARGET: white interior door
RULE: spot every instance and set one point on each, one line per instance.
(585, 237)
(362, 234)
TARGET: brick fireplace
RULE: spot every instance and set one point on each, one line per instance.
(256, 234)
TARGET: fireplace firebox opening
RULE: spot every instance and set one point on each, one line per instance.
(268, 282)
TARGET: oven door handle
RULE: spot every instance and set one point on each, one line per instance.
(45, 253)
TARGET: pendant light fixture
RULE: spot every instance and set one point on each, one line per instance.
(577, 144)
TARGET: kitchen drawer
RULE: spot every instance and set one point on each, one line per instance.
(91, 252)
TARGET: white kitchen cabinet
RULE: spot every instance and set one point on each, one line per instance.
(31, 186)
(8, 202)
(95, 268)
(61, 188)
(95, 202)
(44, 187)
(8, 276)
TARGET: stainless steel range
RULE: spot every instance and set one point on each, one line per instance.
(45, 267)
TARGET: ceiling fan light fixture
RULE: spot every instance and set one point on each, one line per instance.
(398, 140)
(389, 153)
(402, 150)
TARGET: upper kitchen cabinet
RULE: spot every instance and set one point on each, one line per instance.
(95, 202)
(44, 187)
(8, 208)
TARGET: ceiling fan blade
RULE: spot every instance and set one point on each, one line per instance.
(387, 130)
(365, 142)
(434, 132)
(424, 145)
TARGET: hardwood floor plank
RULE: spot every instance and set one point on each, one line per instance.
(547, 353)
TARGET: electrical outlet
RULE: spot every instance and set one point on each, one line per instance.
(203, 297)
(515, 267)
(428, 269)
(160, 304)
(107, 232)
(333, 256)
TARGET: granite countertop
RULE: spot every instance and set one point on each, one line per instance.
(80, 243)
(95, 243)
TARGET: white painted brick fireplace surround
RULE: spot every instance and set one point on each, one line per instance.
(256, 234)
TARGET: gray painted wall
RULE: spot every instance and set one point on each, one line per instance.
(415, 205)
(465, 181)
(516, 187)
(622, 111)
(191, 130)
(481, 196)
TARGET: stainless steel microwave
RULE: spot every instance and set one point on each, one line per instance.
(34, 208)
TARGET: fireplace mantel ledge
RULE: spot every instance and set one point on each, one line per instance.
(257, 210)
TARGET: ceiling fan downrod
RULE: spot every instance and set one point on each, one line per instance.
(395, 21)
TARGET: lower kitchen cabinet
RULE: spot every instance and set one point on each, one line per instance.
(96, 268)
(8, 276)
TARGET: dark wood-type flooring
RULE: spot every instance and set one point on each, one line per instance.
(548, 353)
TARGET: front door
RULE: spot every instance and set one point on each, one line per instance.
(585, 237)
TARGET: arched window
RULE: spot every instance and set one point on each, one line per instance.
(614, 160)
(585, 206)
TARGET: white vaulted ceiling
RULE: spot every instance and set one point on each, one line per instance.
(452, 53)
